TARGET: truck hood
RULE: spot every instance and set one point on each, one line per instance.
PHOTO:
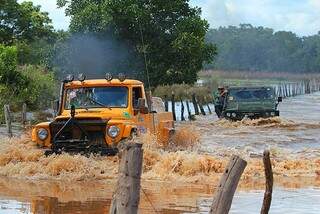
(114, 114)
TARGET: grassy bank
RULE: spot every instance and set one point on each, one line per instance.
(239, 78)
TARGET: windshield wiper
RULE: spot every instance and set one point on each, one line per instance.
(100, 104)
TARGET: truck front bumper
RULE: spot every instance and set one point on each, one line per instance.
(80, 146)
(237, 115)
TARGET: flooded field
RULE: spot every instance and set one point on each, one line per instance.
(179, 179)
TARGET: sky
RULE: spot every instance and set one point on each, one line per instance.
(299, 16)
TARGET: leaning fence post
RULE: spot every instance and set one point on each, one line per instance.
(173, 107)
(228, 184)
(126, 197)
(195, 104)
(202, 109)
(182, 111)
(166, 106)
(188, 109)
(24, 114)
(7, 116)
(269, 183)
(209, 109)
(207, 103)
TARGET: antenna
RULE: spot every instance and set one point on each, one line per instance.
(145, 56)
(147, 72)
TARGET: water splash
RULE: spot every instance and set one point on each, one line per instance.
(20, 158)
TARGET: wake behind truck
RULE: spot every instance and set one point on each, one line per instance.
(96, 116)
(251, 102)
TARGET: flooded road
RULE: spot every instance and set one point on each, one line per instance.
(180, 179)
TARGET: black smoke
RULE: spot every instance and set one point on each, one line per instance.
(95, 56)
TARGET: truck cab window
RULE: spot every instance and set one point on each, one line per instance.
(136, 94)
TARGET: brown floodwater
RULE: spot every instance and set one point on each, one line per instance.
(182, 177)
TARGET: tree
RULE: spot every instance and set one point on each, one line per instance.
(29, 29)
(170, 33)
(8, 65)
(23, 22)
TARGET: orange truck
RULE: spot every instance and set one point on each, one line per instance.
(96, 116)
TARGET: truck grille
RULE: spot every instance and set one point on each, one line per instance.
(95, 129)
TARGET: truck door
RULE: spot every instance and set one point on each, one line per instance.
(142, 120)
(136, 94)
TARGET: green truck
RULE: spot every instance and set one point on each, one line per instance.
(251, 102)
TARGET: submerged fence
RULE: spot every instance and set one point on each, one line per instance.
(297, 88)
(183, 110)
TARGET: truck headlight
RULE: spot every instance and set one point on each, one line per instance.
(42, 134)
(113, 131)
(273, 114)
(234, 114)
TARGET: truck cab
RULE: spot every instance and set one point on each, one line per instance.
(251, 102)
(97, 115)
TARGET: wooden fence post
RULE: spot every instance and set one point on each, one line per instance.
(126, 198)
(7, 116)
(173, 107)
(286, 89)
(209, 109)
(166, 106)
(188, 109)
(308, 89)
(269, 183)
(202, 109)
(228, 184)
(24, 114)
(195, 104)
(182, 111)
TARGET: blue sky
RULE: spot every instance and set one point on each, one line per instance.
(299, 16)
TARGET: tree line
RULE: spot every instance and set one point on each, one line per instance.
(249, 48)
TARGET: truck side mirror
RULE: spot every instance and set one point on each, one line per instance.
(142, 106)
(279, 99)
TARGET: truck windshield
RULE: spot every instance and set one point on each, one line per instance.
(98, 97)
(246, 94)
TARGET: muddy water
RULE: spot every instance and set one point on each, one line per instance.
(178, 179)
(296, 132)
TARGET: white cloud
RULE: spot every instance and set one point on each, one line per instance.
(301, 17)
(315, 3)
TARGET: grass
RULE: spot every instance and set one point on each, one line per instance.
(239, 78)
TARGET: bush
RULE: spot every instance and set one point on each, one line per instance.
(33, 85)
(41, 87)
(8, 65)
(37, 90)
(184, 92)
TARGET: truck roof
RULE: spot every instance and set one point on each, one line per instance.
(103, 82)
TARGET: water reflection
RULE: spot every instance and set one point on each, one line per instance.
(48, 197)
